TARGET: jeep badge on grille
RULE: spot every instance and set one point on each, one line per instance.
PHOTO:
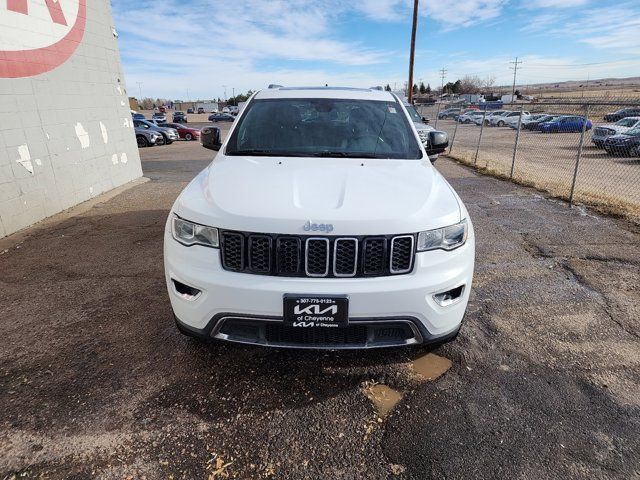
(317, 227)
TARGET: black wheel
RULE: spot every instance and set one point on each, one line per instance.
(160, 141)
(166, 140)
(188, 136)
(142, 141)
(501, 123)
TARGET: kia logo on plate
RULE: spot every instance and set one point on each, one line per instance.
(39, 35)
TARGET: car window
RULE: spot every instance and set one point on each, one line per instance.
(325, 127)
(413, 113)
(634, 131)
(626, 122)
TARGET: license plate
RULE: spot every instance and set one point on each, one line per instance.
(308, 311)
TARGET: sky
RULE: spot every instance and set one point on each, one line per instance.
(203, 49)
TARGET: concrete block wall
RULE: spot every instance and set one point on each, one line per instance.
(65, 124)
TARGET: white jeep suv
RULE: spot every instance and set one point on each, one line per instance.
(321, 223)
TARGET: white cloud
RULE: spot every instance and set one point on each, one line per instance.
(455, 13)
(537, 4)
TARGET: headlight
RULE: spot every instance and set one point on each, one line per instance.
(189, 233)
(447, 238)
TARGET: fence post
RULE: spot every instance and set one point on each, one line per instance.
(515, 147)
(453, 139)
(484, 115)
(575, 171)
(437, 113)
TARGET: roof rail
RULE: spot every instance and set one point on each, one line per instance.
(273, 85)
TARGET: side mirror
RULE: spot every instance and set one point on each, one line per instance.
(210, 138)
(438, 142)
(425, 119)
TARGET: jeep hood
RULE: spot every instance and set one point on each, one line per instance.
(358, 197)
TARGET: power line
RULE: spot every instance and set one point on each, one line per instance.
(443, 73)
(515, 72)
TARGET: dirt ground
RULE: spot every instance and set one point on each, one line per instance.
(542, 383)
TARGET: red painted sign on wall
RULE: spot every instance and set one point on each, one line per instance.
(37, 36)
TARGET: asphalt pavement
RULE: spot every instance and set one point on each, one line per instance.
(542, 383)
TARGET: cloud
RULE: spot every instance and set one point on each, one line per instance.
(538, 4)
(455, 13)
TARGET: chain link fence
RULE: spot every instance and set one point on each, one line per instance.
(550, 146)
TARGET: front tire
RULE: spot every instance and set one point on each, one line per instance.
(501, 123)
(188, 136)
(142, 141)
(166, 140)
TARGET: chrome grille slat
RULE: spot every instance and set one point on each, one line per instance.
(345, 257)
(316, 257)
(401, 255)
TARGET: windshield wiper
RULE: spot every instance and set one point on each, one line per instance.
(263, 153)
(329, 153)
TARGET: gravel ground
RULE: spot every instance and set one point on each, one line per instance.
(543, 381)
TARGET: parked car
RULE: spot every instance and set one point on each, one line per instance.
(449, 113)
(507, 118)
(601, 132)
(221, 117)
(200, 109)
(469, 117)
(331, 234)
(138, 116)
(159, 117)
(162, 109)
(423, 129)
(188, 133)
(226, 110)
(533, 121)
(190, 110)
(566, 124)
(627, 143)
(622, 113)
(179, 117)
(147, 138)
(489, 116)
(233, 110)
(169, 135)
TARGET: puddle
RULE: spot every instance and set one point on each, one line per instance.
(383, 397)
(431, 366)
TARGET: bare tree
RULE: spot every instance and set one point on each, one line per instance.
(489, 81)
(470, 84)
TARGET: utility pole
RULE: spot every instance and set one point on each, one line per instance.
(515, 71)
(443, 73)
(234, 95)
(140, 88)
(225, 92)
(413, 49)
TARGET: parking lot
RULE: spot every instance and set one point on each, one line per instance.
(543, 381)
(547, 160)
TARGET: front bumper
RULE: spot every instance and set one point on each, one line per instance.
(403, 304)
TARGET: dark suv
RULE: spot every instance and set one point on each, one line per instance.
(622, 113)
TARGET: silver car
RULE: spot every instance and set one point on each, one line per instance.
(169, 135)
(602, 132)
(146, 137)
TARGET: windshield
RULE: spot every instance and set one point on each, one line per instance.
(627, 122)
(413, 113)
(324, 127)
(633, 132)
